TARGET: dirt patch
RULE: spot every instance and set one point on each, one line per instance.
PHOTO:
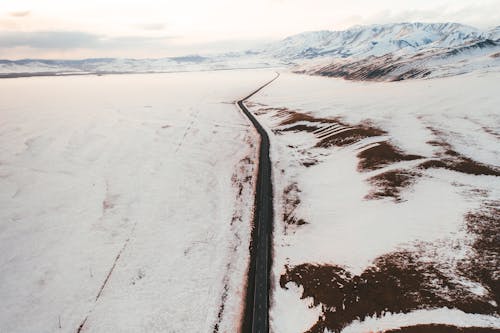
(310, 163)
(383, 154)
(495, 55)
(390, 184)
(340, 134)
(349, 136)
(293, 117)
(484, 267)
(398, 282)
(465, 165)
(434, 328)
(291, 201)
(264, 110)
(307, 122)
(300, 128)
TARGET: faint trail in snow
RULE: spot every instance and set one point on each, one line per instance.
(106, 280)
(188, 128)
(112, 269)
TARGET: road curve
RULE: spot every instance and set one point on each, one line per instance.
(256, 315)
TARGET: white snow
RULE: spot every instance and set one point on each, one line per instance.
(298, 316)
(436, 316)
(135, 172)
(120, 65)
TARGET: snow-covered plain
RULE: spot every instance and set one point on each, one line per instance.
(336, 214)
(125, 202)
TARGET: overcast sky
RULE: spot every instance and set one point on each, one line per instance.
(158, 28)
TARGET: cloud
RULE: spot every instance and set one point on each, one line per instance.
(67, 40)
(48, 39)
(481, 16)
(21, 13)
(151, 26)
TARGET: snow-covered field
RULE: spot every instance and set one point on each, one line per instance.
(387, 199)
(48, 67)
(125, 202)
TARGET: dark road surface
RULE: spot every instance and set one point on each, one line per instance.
(257, 301)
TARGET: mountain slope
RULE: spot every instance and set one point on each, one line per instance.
(374, 40)
(396, 51)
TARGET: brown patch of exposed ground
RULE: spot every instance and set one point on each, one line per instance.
(484, 266)
(435, 328)
(293, 117)
(390, 184)
(291, 201)
(290, 117)
(349, 134)
(398, 282)
(459, 163)
(382, 155)
(298, 128)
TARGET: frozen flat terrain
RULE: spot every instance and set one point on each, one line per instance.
(387, 201)
(125, 202)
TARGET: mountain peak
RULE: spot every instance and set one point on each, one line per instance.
(375, 39)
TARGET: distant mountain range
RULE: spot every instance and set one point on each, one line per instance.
(376, 52)
(395, 51)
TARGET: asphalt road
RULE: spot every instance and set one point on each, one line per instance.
(256, 317)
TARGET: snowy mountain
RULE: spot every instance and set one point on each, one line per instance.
(376, 40)
(394, 52)
(375, 52)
